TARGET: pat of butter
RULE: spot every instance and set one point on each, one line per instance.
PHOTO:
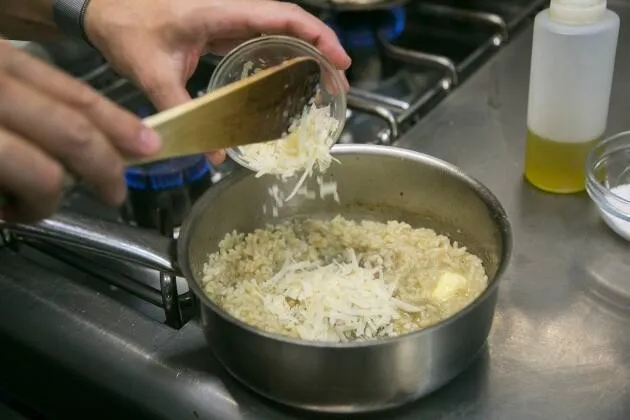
(449, 285)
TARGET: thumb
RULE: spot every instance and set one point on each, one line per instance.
(169, 92)
(166, 92)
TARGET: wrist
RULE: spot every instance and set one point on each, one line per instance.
(92, 26)
(69, 15)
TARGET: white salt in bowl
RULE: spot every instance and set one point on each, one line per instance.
(608, 181)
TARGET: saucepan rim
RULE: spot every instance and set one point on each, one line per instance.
(351, 149)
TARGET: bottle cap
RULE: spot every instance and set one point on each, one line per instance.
(577, 12)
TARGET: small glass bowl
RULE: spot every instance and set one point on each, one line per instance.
(268, 51)
(608, 181)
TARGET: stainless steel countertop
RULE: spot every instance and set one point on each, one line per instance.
(559, 347)
(560, 344)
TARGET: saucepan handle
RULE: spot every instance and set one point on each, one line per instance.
(115, 240)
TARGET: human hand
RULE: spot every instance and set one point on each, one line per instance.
(50, 123)
(157, 43)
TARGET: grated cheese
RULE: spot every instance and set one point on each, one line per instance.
(303, 151)
(338, 280)
(247, 69)
(305, 148)
(327, 189)
(341, 301)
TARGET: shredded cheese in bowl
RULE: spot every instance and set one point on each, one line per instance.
(303, 151)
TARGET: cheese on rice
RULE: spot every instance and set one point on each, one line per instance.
(339, 280)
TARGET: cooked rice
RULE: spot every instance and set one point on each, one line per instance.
(242, 278)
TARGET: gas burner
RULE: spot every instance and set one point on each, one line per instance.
(362, 34)
(161, 194)
(358, 30)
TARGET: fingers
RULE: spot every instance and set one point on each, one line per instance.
(247, 19)
(346, 84)
(66, 135)
(165, 88)
(331, 83)
(122, 128)
(216, 157)
(225, 45)
(289, 19)
(278, 18)
(61, 123)
(30, 180)
(167, 91)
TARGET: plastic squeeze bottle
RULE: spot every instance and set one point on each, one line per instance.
(573, 59)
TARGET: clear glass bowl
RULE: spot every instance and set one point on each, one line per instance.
(608, 181)
(267, 51)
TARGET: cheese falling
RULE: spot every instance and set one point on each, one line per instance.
(305, 149)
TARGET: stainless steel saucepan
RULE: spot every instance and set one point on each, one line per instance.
(375, 182)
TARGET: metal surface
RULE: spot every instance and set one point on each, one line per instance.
(361, 104)
(432, 58)
(559, 347)
(428, 193)
(101, 237)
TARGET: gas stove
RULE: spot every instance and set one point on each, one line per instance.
(76, 315)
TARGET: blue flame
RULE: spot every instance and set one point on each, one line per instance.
(169, 174)
(361, 31)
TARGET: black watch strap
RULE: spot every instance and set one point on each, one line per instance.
(69, 16)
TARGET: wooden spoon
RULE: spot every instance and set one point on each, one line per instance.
(252, 110)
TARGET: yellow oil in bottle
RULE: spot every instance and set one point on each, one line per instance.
(556, 167)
